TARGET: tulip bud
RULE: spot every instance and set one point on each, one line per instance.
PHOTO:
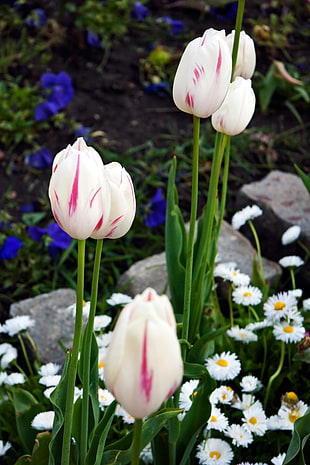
(237, 109)
(246, 57)
(123, 203)
(203, 75)
(143, 365)
(79, 193)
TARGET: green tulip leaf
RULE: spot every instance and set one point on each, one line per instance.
(24, 460)
(26, 408)
(200, 350)
(299, 447)
(41, 449)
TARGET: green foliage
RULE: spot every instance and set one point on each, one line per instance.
(299, 449)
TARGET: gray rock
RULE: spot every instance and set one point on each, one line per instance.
(53, 322)
(232, 247)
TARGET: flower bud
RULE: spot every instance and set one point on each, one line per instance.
(237, 109)
(246, 57)
(203, 75)
(79, 193)
(123, 203)
(143, 365)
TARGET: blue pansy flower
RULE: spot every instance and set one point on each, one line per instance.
(40, 159)
(60, 93)
(36, 233)
(139, 11)
(226, 12)
(157, 88)
(61, 240)
(45, 110)
(176, 26)
(83, 131)
(10, 248)
(36, 18)
(93, 39)
(157, 210)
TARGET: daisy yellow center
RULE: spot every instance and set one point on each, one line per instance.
(222, 362)
(213, 418)
(279, 305)
(247, 294)
(288, 329)
(84, 303)
(253, 421)
(214, 454)
(292, 396)
(294, 415)
(101, 364)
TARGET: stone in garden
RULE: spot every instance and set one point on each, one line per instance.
(285, 202)
(232, 247)
(53, 322)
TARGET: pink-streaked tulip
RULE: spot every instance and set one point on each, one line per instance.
(143, 365)
(237, 109)
(79, 193)
(246, 57)
(203, 75)
(123, 203)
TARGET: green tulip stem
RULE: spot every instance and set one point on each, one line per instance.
(191, 237)
(25, 354)
(136, 441)
(292, 273)
(259, 252)
(72, 369)
(87, 351)
(276, 373)
(238, 26)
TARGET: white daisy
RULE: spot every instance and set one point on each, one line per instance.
(242, 334)
(240, 435)
(223, 366)
(4, 447)
(50, 380)
(214, 452)
(258, 325)
(255, 420)
(47, 392)
(117, 298)
(217, 420)
(8, 354)
(247, 295)
(86, 309)
(105, 398)
(3, 377)
(101, 321)
(291, 235)
(228, 272)
(274, 422)
(103, 340)
(43, 421)
(248, 213)
(15, 378)
(306, 304)
(15, 325)
(291, 261)
(277, 305)
(222, 395)
(278, 460)
(250, 384)
(146, 454)
(121, 412)
(246, 401)
(288, 332)
(289, 416)
(49, 369)
(186, 394)
(296, 293)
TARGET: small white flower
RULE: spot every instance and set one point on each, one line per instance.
(47, 392)
(49, 369)
(306, 304)
(117, 298)
(105, 398)
(247, 295)
(288, 332)
(274, 422)
(103, 340)
(146, 454)
(291, 261)
(217, 420)
(242, 334)
(121, 412)
(289, 416)
(276, 306)
(15, 378)
(214, 452)
(255, 420)
(8, 353)
(228, 272)
(248, 213)
(43, 421)
(296, 293)
(240, 435)
(3, 377)
(246, 401)
(250, 384)
(222, 395)
(15, 325)
(278, 460)
(50, 380)
(223, 366)
(4, 447)
(291, 235)
(101, 321)
(187, 391)
(258, 325)
(86, 309)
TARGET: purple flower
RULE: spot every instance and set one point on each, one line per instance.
(176, 26)
(93, 39)
(60, 93)
(10, 248)
(44, 111)
(157, 207)
(139, 11)
(226, 12)
(28, 208)
(61, 240)
(36, 18)
(40, 159)
(36, 233)
(83, 131)
(158, 88)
